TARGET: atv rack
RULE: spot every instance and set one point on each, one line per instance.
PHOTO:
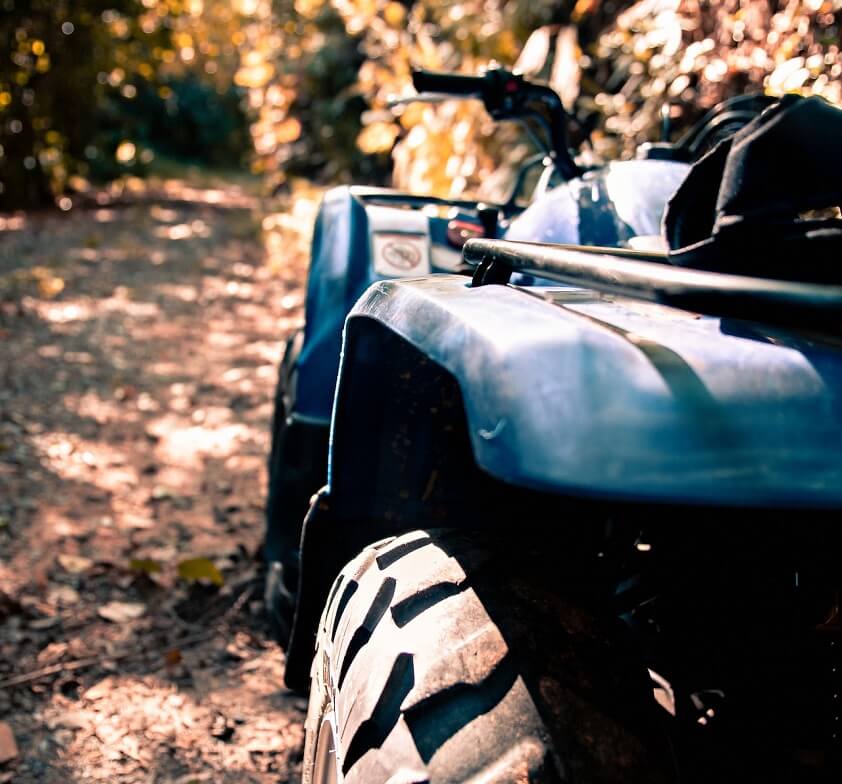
(651, 278)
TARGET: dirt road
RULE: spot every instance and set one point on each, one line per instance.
(138, 344)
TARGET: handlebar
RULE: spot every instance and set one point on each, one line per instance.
(453, 84)
(508, 96)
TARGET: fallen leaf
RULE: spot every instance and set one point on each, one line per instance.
(162, 554)
(120, 612)
(8, 746)
(48, 284)
(145, 565)
(266, 742)
(222, 728)
(75, 564)
(131, 748)
(64, 738)
(136, 521)
(52, 652)
(62, 596)
(39, 624)
(100, 690)
(161, 493)
(125, 392)
(194, 569)
(73, 720)
(108, 733)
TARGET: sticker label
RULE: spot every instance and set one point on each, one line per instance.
(400, 255)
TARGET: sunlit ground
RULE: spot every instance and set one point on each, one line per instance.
(140, 337)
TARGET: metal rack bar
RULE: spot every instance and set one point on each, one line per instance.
(649, 277)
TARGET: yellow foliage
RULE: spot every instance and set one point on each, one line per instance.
(288, 131)
(276, 50)
(126, 152)
(394, 14)
(309, 8)
(78, 184)
(254, 76)
(120, 28)
(377, 138)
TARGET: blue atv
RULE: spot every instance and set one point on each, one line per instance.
(579, 506)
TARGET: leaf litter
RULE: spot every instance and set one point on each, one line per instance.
(132, 646)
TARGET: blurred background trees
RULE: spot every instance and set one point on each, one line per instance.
(91, 90)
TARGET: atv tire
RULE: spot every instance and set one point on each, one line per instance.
(441, 658)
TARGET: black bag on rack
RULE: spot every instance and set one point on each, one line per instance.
(742, 208)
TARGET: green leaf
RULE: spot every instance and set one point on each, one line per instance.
(194, 569)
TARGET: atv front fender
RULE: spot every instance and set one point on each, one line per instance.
(466, 407)
(575, 394)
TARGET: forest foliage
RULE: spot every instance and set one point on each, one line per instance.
(91, 90)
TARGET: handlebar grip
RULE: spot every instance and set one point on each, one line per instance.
(454, 84)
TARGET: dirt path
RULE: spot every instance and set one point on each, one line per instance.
(139, 345)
